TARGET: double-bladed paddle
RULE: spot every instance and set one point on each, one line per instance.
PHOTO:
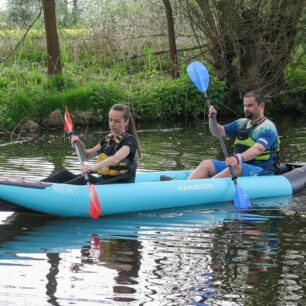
(199, 75)
(94, 204)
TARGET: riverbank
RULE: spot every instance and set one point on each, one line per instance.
(91, 83)
(151, 98)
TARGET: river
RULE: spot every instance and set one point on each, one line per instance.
(207, 255)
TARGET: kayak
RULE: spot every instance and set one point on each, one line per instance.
(147, 193)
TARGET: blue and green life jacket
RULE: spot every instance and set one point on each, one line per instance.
(244, 141)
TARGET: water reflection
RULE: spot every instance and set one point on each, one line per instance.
(147, 256)
(180, 146)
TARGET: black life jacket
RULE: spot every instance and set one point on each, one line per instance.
(109, 147)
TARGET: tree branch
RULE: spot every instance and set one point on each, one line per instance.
(23, 37)
(133, 56)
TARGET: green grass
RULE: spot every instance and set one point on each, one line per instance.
(93, 79)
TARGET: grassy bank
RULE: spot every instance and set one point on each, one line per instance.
(150, 98)
(93, 79)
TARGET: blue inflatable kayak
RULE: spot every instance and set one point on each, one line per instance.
(147, 193)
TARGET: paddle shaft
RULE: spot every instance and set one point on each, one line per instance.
(199, 75)
(80, 157)
(94, 203)
(216, 128)
(77, 149)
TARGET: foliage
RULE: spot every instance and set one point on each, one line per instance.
(295, 73)
(171, 99)
(294, 98)
(38, 101)
(21, 12)
(249, 42)
(116, 55)
(150, 95)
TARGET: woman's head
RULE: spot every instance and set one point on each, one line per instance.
(120, 120)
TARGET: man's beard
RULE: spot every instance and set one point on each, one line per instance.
(248, 115)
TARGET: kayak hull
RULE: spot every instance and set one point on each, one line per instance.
(147, 193)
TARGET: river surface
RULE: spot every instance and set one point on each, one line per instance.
(208, 255)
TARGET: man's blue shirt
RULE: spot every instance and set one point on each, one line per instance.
(264, 133)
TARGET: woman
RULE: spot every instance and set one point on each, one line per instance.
(117, 153)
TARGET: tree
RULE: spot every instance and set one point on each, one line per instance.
(53, 50)
(171, 39)
(75, 13)
(249, 42)
(21, 12)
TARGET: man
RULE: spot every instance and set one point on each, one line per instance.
(255, 145)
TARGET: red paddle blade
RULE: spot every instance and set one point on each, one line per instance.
(68, 126)
(94, 205)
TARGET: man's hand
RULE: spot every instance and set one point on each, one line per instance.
(212, 112)
(232, 161)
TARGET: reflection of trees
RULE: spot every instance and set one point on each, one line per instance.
(243, 260)
(35, 153)
(54, 261)
(39, 154)
(180, 147)
(124, 256)
(290, 279)
(259, 259)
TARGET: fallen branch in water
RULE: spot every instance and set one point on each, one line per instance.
(14, 142)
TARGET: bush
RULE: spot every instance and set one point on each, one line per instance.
(150, 96)
(172, 99)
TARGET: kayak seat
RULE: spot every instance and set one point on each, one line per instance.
(165, 178)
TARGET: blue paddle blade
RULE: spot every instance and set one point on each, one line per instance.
(241, 200)
(199, 75)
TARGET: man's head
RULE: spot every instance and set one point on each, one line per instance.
(254, 105)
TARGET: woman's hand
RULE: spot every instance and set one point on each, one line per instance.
(88, 168)
(74, 139)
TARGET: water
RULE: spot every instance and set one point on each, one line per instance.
(207, 255)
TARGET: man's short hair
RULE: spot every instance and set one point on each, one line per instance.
(257, 94)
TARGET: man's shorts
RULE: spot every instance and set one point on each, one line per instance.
(247, 169)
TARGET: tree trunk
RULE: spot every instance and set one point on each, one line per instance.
(53, 50)
(171, 39)
(75, 13)
(65, 22)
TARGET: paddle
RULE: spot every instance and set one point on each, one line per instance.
(200, 77)
(94, 204)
